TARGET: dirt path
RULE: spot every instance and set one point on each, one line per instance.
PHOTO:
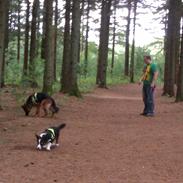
(105, 141)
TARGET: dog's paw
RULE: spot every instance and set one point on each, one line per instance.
(48, 149)
(55, 145)
(39, 147)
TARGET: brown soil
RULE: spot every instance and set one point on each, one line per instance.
(105, 140)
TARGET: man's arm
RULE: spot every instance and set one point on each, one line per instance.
(155, 77)
(142, 76)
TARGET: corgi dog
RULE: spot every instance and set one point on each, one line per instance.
(45, 139)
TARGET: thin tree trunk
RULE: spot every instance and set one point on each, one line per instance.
(82, 25)
(26, 46)
(66, 50)
(86, 40)
(103, 45)
(165, 87)
(18, 36)
(113, 39)
(11, 16)
(55, 39)
(133, 44)
(33, 45)
(127, 45)
(44, 27)
(38, 35)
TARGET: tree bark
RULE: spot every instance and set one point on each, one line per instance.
(33, 41)
(18, 35)
(6, 42)
(55, 39)
(132, 64)
(66, 50)
(26, 46)
(86, 40)
(3, 22)
(113, 38)
(49, 65)
(179, 94)
(75, 49)
(173, 42)
(82, 25)
(165, 87)
(103, 45)
(43, 34)
(127, 45)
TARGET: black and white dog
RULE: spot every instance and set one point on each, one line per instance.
(46, 138)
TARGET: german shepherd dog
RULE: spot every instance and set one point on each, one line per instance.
(41, 101)
(45, 139)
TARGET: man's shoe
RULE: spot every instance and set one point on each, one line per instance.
(143, 113)
(149, 115)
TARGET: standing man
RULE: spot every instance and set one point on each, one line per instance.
(149, 77)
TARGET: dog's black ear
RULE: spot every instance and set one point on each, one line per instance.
(37, 136)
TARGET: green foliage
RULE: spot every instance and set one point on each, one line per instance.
(88, 83)
(160, 60)
(13, 72)
(12, 68)
(38, 74)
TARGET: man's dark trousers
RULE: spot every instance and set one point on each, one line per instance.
(148, 98)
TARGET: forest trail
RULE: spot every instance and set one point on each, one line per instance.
(105, 140)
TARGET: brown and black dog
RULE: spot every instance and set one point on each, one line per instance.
(41, 101)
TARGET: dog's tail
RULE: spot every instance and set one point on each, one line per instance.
(61, 126)
(55, 109)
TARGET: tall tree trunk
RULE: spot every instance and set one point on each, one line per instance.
(133, 44)
(86, 40)
(44, 27)
(82, 25)
(6, 42)
(114, 38)
(11, 15)
(33, 45)
(38, 34)
(165, 87)
(18, 35)
(173, 42)
(55, 39)
(75, 49)
(49, 65)
(66, 50)
(26, 46)
(3, 22)
(103, 45)
(127, 45)
(179, 94)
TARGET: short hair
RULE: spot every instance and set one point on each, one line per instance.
(147, 57)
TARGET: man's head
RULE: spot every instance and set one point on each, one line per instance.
(147, 59)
